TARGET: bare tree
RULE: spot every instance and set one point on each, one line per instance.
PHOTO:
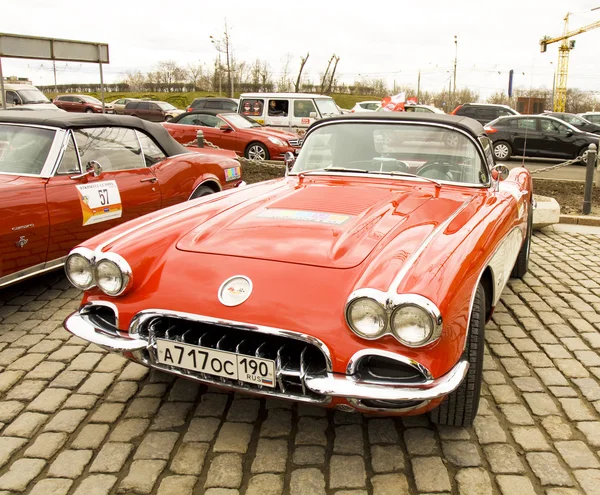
(223, 45)
(331, 79)
(194, 73)
(324, 75)
(135, 80)
(302, 64)
(285, 84)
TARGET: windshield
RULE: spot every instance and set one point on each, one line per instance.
(327, 107)
(240, 121)
(91, 99)
(396, 148)
(32, 96)
(23, 150)
(574, 119)
(165, 106)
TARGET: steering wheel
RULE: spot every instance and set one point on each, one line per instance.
(435, 169)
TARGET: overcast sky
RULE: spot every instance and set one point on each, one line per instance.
(376, 39)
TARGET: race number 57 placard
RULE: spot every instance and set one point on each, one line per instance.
(100, 201)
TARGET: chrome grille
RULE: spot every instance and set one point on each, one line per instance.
(294, 358)
(296, 143)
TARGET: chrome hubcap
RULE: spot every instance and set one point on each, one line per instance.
(501, 151)
(256, 153)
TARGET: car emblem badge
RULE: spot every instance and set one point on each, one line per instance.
(235, 290)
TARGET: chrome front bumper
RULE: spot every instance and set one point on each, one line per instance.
(328, 385)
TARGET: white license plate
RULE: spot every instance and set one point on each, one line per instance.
(220, 363)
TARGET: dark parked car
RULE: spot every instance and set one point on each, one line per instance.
(79, 103)
(537, 135)
(208, 103)
(155, 111)
(576, 121)
(483, 112)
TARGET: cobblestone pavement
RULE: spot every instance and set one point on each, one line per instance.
(77, 420)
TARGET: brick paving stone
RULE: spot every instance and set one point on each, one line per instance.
(461, 454)
(576, 410)
(493, 377)
(265, 484)
(184, 391)
(202, 430)
(111, 458)
(311, 431)
(453, 432)
(488, 430)
(51, 486)
(347, 471)
(525, 345)
(577, 454)
(243, 410)
(8, 379)
(70, 464)
(97, 383)
(142, 408)
(233, 437)
(557, 428)
(562, 392)
(66, 353)
(47, 370)
(171, 415)
(503, 394)
(348, 440)
(516, 414)
(515, 367)
(69, 379)
(10, 409)
(541, 404)
(529, 438)
(8, 446)
(556, 351)
(46, 445)
(107, 413)
(9, 356)
(511, 485)
(46, 346)
(420, 441)
(111, 363)
(77, 401)
(277, 424)
(551, 376)
(156, 445)
(308, 455)
(430, 474)
(474, 480)
(389, 484)
(588, 358)
(49, 400)
(21, 473)
(128, 430)
(571, 368)
(591, 431)
(589, 388)
(153, 390)
(548, 469)
(212, 405)
(189, 459)
(387, 458)
(142, 476)
(86, 361)
(528, 384)
(27, 390)
(225, 472)
(90, 437)
(589, 479)
(25, 425)
(503, 459)
(134, 372)
(221, 491)
(382, 431)
(270, 457)
(122, 392)
(308, 481)
(66, 421)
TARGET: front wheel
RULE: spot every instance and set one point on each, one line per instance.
(89, 110)
(257, 151)
(460, 407)
(502, 150)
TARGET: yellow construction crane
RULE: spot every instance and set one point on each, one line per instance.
(560, 95)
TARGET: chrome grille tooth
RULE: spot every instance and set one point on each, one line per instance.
(239, 347)
(303, 369)
(203, 336)
(278, 367)
(221, 343)
(260, 352)
(185, 334)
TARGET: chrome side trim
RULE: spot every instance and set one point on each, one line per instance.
(408, 264)
(355, 359)
(32, 271)
(141, 318)
(334, 385)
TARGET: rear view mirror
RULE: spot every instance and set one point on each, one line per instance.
(312, 115)
(289, 160)
(569, 133)
(225, 127)
(500, 172)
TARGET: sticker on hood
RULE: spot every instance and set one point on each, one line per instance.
(306, 216)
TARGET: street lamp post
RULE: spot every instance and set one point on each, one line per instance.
(455, 62)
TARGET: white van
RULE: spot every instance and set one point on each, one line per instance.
(289, 111)
(25, 96)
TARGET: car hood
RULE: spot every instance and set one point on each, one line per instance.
(322, 224)
(41, 106)
(275, 133)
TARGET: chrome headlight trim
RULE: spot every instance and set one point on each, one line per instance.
(124, 268)
(392, 302)
(352, 324)
(89, 256)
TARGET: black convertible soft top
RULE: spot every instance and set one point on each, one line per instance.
(66, 120)
(465, 123)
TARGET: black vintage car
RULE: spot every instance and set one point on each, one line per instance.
(537, 136)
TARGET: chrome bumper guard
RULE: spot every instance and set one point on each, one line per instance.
(330, 385)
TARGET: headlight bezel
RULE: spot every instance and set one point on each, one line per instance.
(89, 256)
(124, 269)
(391, 303)
(352, 324)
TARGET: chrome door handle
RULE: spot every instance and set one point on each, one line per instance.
(150, 179)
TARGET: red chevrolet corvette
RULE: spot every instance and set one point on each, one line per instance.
(361, 281)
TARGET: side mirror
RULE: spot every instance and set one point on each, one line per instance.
(289, 160)
(312, 115)
(93, 169)
(500, 172)
(225, 128)
(569, 133)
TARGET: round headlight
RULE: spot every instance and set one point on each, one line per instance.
(109, 277)
(80, 271)
(367, 317)
(412, 325)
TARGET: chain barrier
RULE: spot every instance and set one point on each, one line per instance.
(560, 165)
(241, 159)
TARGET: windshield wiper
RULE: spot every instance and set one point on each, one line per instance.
(404, 174)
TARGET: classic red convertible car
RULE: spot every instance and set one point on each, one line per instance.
(66, 177)
(232, 131)
(362, 280)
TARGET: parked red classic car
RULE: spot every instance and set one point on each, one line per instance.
(80, 103)
(66, 177)
(233, 131)
(361, 281)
